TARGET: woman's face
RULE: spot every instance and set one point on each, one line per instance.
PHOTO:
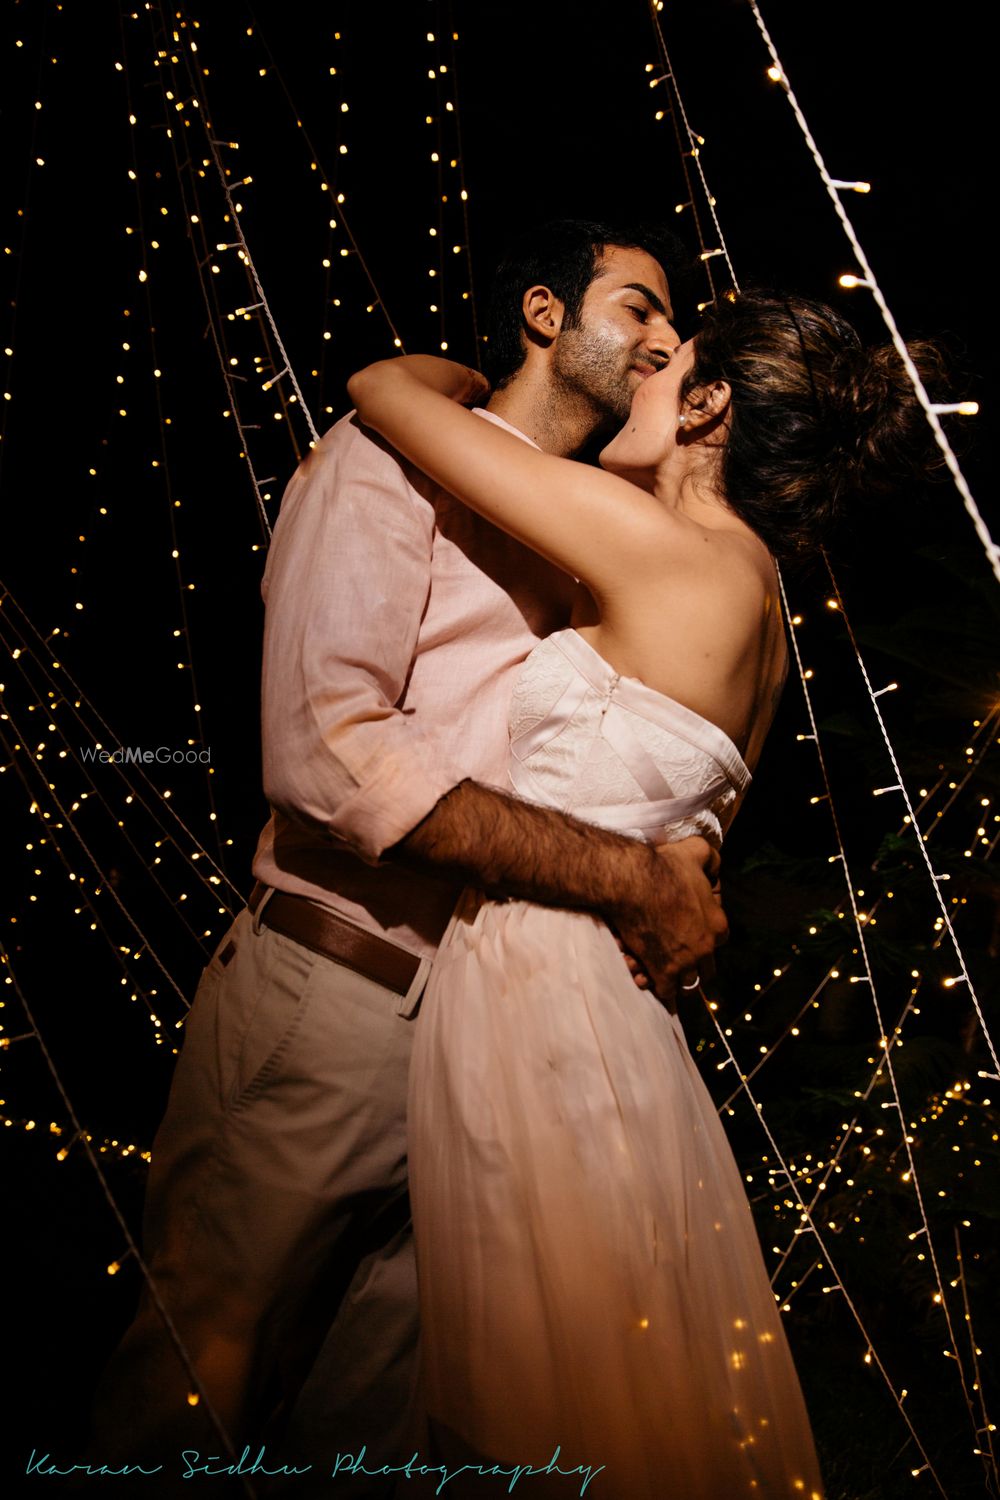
(651, 431)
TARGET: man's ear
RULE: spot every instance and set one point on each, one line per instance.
(543, 314)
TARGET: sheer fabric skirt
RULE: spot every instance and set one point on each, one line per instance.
(590, 1275)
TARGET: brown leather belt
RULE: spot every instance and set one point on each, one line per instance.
(323, 931)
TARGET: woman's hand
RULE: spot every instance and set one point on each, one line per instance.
(457, 382)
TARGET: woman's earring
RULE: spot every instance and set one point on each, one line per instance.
(682, 420)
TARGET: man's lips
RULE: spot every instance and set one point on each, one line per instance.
(644, 371)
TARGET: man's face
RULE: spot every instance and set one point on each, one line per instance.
(651, 431)
(624, 335)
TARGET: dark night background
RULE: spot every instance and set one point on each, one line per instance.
(556, 118)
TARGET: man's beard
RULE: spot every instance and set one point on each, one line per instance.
(592, 366)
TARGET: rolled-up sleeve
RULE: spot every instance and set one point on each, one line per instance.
(346, 585)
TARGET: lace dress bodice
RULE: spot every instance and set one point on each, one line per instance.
(614, 752)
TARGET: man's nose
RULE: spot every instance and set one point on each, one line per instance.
(662, 339)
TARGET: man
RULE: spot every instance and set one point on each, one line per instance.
(396, 622)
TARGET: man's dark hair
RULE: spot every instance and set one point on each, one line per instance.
(564, 255)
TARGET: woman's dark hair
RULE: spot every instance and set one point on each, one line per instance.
(564, 255)
(816, 419)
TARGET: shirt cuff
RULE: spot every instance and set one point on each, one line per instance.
(377, 815)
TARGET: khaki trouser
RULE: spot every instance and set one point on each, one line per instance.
(276, 1228)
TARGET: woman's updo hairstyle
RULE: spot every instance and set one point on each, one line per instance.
(816, 419)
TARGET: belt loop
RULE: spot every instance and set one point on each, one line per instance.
(268, 893)
(410, 1002)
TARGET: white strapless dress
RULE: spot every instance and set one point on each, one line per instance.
(590, 1275)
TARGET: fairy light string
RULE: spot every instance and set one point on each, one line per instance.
(12, 750)
(178, 91)
(187, 176)
(982, 732)
(921, 840)
(872, 1354)
(793, 619)
(171, 58)
(172, 502)
(338, 260)
(986, 1430)
(31, 641)
(159, 1303)
(848, 1129)
(452, 49)
(67, 821)
(691, 200)
(437, 272)
(694, 148)
(869, 979)
(868, 976)
(46, 793)
(869, 281)
(788, 1172)
(785, 1299)
(84, 1138)
(184, 99)
(446, 158)
(804, 676)
(333, 265)
(106, 879)
(33, 167)
(224, 182)
(109, 1146)
(138, 992)
(329, 184)
(101, 514)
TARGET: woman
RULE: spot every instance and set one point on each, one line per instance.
(590, 1276)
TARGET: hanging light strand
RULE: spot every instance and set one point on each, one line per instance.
(68, 822)
(376, 295)
(868, 280)
(869, 976)
(28, 632)
(983, 737)
(204, 249)
(805, 676)
(814, 1229)
(986, 1430)
(694, 149)
(452, 50)
(169, 495)
(86, 1146)
(921, 842)
(32, 171)
(119, 823)
(212, 141)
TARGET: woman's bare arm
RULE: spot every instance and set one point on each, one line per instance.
(591, 524)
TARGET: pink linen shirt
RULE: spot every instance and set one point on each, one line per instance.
(396, 620)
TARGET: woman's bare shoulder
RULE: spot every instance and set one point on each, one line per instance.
(720, 560)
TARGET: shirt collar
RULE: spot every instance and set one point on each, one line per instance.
(480, 411)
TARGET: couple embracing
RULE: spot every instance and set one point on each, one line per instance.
(511, 702)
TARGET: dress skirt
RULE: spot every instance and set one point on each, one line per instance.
(590, 1274)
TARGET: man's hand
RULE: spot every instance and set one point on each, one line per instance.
(661, 902)
(673, 920)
